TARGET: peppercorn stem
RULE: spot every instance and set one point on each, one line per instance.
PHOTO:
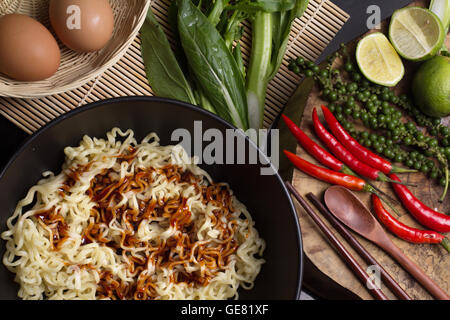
(446, 185)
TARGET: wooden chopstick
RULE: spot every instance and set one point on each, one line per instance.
(348, 258)
(370, 260)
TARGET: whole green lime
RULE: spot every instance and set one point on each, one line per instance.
(431, 87)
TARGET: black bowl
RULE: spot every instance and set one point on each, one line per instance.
(265, 196)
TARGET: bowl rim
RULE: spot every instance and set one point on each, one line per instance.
(185, 105)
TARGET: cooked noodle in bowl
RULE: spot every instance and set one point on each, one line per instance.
(129, 220)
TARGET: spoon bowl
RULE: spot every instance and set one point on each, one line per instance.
(353, 213)
(348, 209)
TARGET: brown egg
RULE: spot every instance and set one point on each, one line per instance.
(82, 25)
(29, 52)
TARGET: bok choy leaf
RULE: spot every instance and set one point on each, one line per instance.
(270, 38)
(212, 64)
(162, 68)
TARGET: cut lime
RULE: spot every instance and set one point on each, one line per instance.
(378, 60)
(442, 9)
(416, 33)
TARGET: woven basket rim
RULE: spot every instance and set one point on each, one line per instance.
(17, 89)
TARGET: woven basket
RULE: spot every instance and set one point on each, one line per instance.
(76, 69)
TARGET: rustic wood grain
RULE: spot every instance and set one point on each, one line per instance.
(433, 259)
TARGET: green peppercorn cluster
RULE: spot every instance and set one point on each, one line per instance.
(352, 98)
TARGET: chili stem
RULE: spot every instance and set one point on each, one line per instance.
(375, 192)
(383, 177)
(384, 194)
(396, 169)
(446, 244)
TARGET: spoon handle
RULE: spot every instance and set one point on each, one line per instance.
(348, 258)
(416, 272)
(370, 260)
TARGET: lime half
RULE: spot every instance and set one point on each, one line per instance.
(416, 33)
(378, 60)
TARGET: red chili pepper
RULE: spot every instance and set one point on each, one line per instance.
(333, 177)
(319, 153)
(323, 156)
(349, 181)
(372, 159)
(344, 155)
(405, 232)
(424, 215)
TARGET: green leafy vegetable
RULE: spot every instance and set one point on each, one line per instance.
(233, 30)
(270, 38)
(237, 53)
(212, 64)
(282, 29)
(163, 71)
(254, 6)
(207, 66)
(216, 11)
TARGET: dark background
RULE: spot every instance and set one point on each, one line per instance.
(316, 285)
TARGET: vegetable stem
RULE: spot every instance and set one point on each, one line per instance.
(259, 68)
(237, 53)
(231, 31)
(216, 12)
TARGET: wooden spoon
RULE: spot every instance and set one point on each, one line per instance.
(354, 214)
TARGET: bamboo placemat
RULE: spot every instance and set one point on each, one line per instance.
(309, 37)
